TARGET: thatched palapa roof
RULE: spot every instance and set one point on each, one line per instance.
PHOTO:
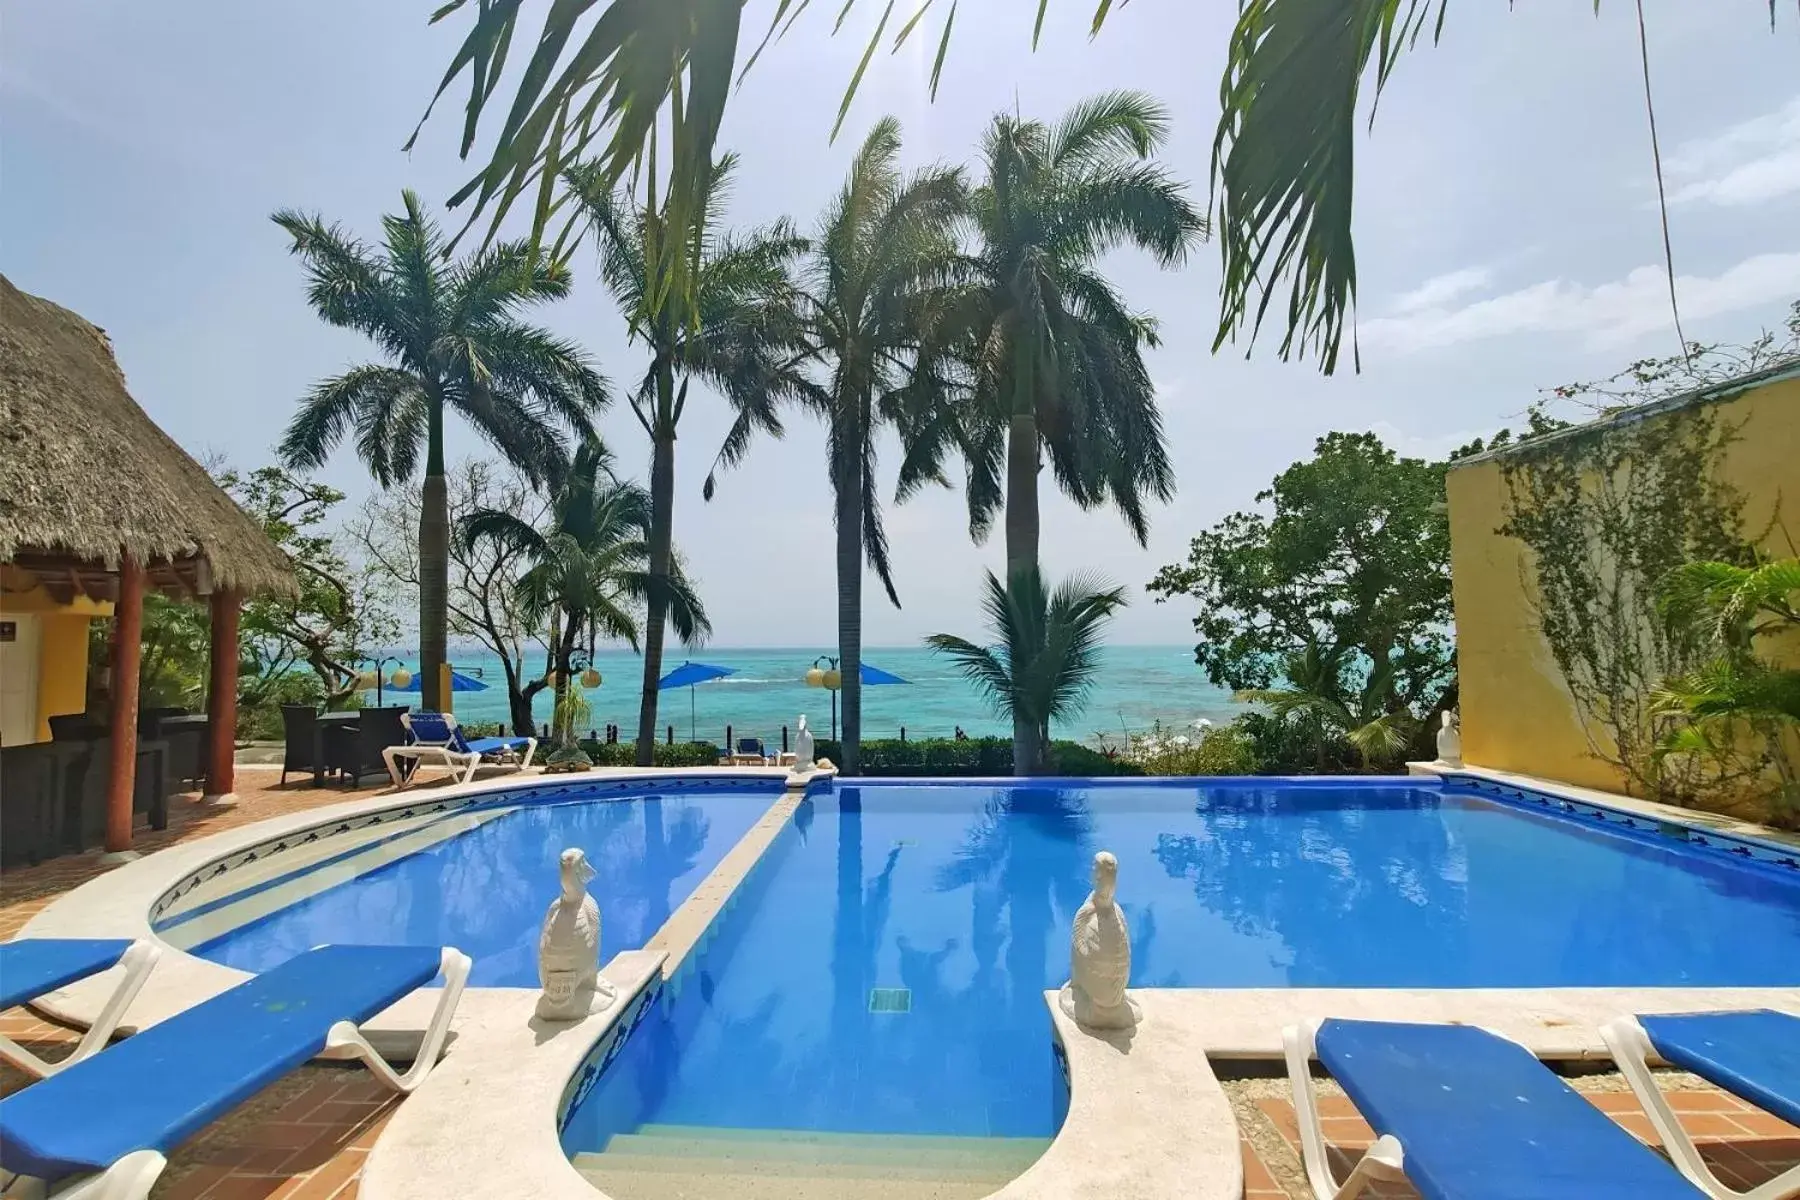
(85, 473)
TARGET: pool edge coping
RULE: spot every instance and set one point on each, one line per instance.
(120, 902)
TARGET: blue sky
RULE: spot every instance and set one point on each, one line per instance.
(1505, 223)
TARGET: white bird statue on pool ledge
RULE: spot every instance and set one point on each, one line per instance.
(1100, 957)
(569, 948)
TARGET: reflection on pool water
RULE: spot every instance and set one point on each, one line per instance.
(486, 890)
(884, 971)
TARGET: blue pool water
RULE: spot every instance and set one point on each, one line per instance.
(486, 891)
(962, 895)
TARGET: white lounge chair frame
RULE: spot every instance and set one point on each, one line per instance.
(132, 1177)
(456, 760)
(1383, 1162)
(137, 960)
(1632, 1050)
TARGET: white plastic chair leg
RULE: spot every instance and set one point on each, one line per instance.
(131, 1178)
(530, 753)
(1385, 1161)
(1631, 1049)
(345, 1034)
(389, 756)
(137, 960)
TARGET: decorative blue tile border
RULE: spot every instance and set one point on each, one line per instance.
(578, 788)
(1753, 849)
(601, 1054)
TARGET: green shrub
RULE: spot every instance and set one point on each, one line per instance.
(681, 754)
(1221, 750)
(990, 756)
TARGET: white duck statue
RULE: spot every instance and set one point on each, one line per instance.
(1449, 740)
(803, 746)
(1100, 956)
(569, 948)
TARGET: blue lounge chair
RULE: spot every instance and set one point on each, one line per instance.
(110, 1121)
(750, 750)
(33, 967)
(1753, 1055)
(1465, 1115)
(436, 735)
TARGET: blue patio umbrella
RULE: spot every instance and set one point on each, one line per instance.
(688, 675)
(458, 683)
(875, 676)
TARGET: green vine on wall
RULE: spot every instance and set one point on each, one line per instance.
(1606, 514)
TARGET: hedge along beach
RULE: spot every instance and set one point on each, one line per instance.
(1135, 687)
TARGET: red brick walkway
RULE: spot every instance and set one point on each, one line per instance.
(302, 1139)
(305, 1137)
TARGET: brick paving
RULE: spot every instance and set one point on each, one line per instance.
(305, 1137)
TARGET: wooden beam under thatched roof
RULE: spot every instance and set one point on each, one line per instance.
(86, 474)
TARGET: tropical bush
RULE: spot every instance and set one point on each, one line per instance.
(984, 756)
(1740, 706)
(1222, 750)
(624, 754)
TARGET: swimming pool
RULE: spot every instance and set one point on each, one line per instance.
(481, 880)
(884, 971)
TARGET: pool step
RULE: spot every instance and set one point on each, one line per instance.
(679, 1162)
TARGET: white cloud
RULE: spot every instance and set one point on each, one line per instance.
(1441, 289)
(1608, 313)
(1748, 163)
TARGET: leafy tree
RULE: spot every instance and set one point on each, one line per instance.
(720, 324)
(451, 341)
(1047, 653)
(343, 611)
(1350, 565)
(483, 598)
(588, 575)
(871, 288)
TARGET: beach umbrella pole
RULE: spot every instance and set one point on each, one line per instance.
(693, 725)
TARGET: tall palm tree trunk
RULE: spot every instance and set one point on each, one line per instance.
(848, 491)
(434, 569)
(1022, 540)
(662, 557)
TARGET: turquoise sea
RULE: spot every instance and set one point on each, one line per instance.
(1136, 686)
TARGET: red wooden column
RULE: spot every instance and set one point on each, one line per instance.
(127, 655)
(221, 695)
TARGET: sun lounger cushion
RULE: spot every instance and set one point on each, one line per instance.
(1755, 1055)
(493, 745)
(30, 967)
(159, 1087)
(1481, 1119)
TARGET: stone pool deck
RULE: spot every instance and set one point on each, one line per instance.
(307, 1137)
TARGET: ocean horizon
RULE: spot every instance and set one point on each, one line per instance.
(1135, 687)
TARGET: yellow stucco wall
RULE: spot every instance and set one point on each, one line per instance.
(1516, 713)
(62, 647)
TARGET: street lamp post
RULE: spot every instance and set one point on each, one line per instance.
(829, 678)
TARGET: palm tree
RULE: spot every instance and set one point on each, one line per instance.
(1315, 693)
(1739, 610)
(721, 328)
(1056, 358)
(589, 571)
(864, 307)
(451, 341)
(1048, 652)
